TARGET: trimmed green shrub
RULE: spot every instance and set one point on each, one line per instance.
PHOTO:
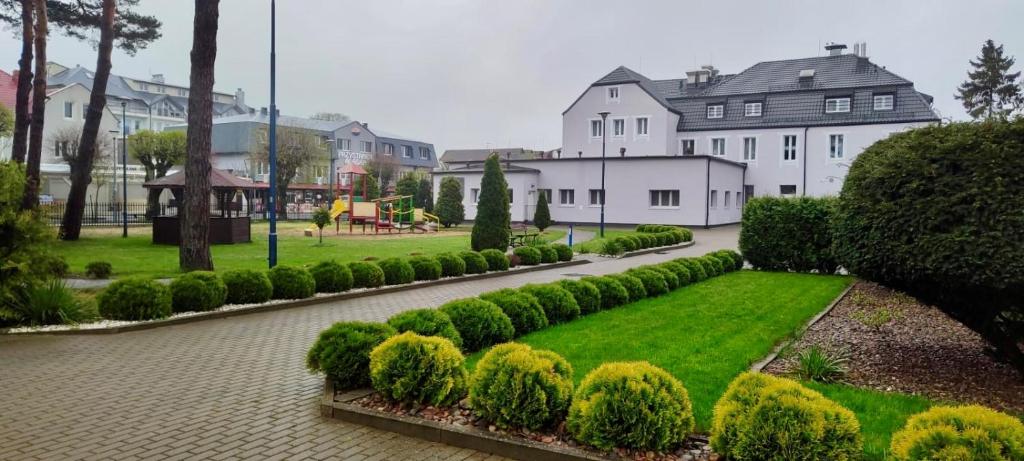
(670, 277)
(611, 247)
(613, 294)
(727, 256)
(697, 272)
(542, 215)
(397, 271)
(639, 242)
(967, 433)
(654, 282)
(528, 256)
(564, 251)
(679, 270)
(663, 238)
(480, 323)
(475, 262)
(514, 385)
(411, 368)
(558, 303)
(342, 352)
(788, 234)
(631, 405)
(366, 274)
(548, 255)
(634, 286)
(497, 260)
(247, 286)
(648, 240)
(709, 268)
(522, 309)
(451, 264)
(726, 261)
(291, 282)
(135, 299)
(331, 277)
(491, 225)
(717, 268)
(197, 291)
(626, 243)
(99, 270)
(766, 417)
(425, 267)
(587, 296)
(426, 322)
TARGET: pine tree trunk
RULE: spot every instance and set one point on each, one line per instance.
(21, 113)
(35, 137)
(194, 252)
(282, 199)
(81, 169)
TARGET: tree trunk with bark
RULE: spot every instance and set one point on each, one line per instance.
(19, 144)
(194, 215)
(35, 137)
(81, 170)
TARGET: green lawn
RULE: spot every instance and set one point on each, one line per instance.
(594, 245)
(137, 255)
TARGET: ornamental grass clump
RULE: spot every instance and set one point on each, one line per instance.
(587, 296)
(426, 267)
(522, 309)
(528, 256)
(135, 299)
(516, 386)
(427, 370)
(564, 251)
(426, 322)
(397, 271)
(634, 286)
(497, 260)
(631, 405)
(291, 282)
(366, 274)
(558, 303)
(613, 294)
(475, 262)
(247, 286)
(480, 323)
(966, 433)
(451, 264)
(342, 352)
(331, 277)
(198, 291)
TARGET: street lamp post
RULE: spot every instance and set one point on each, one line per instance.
(604, 137)
(124, 171)
(272, 199)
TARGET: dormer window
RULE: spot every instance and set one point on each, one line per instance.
(752, 109)
(613, 94)
(716, 110)
(837, 105)
(883, 102)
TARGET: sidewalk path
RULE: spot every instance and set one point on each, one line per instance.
(231, 388)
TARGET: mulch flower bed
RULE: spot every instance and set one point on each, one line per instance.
(695, 449)
(895, 343)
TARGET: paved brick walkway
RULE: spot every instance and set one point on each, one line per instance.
(220, 389)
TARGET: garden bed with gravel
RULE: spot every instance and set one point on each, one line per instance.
(895, 343)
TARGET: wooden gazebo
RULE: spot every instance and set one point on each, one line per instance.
(229, 223)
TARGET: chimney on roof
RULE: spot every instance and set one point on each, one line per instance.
(365, 125)
(703, 75)
(252, 110)
(240, 97)
(158, 78)
(835, 49)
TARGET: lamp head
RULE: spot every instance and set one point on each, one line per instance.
(603, 115)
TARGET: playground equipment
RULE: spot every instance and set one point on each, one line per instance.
(391, 213)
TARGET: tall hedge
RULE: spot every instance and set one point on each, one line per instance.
(937, 212)
(788, 234)
(490, 228)
(449, 209)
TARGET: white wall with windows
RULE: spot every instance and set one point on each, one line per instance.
(636, 122)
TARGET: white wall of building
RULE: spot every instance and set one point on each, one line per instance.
(633, 102)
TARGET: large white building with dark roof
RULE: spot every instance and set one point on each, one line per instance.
(691, 150)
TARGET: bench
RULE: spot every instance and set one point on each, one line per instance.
(520, 235)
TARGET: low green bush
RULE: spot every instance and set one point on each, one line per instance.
(291, 282)
(631, 405)
(198, 291)
(789, 233)
(626, 243)
(681, 272)
(426, 322)
(587, 296)
(558, 303)
(135, 299)
(734, 256)
(649, 240)
(528, 256)
(331, 277)
(639, 242)
(670, 276)
(717, 268)
(766, 417)
(967, 433)
(548, 255)
(634, 286)
(247, 286)
(728, 264)
(522, 309)
(397, 271)
(564, 251)
(654, 282)
(99, 270)
(613, 294)
(418, 369)
(475, 263)
(611, 247)
(451, 264)
(480, 323)
(697, 272)
(342, 352)
(366, 274)
(514, 385)
(709, 268)
(48, 302)
(497, 260)
(426, 267)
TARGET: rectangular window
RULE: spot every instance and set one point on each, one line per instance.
(725, 199)
(613, 94)
(596, 128)
(424, 153)
(749, 149)
(510, 196)
(786, 190)
(546, 193)
(835, 146)
(566, 197)
(686, 147)
(739, 199)
(367, 146)
(718, 147)
(389, 149)
(664, 198)
(642, 126)
(789, 148)
(883, 101)
(752, 109)
(69, 110)
(85, 111)
(474, 195)
(716, 111)
(345, 145)
(618, 127)
(596, 197)
(837, 105)
(714, 199)
(406, 151)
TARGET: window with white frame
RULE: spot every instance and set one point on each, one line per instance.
(664, 198)
(714, 198)
(546, 193)
(750, 149)
(596, 128)
(474, 195)
(618, 127)
(566, 197)
(739, 199)
(642, 126)
(424, 153)
(69, 110)
(596, 197)
(718, 147)
(787, 190)
(837, 105)
(789, 148)
(883, 101)
(366, 146)
(725, 199)
(686, 147)
(344, 144)
(613, 94)
(752, 109)
(835, 146)
(406, 151)
(716, 110)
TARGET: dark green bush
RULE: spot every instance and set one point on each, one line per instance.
(342, 352)
(613, 294)
(633, 285)
(528, 256)
(135, 299)
(697, 272)
(366, 274)
(564, 251)
(726, 261)
(788, 234)
(522, 309)
(587, 296)
(709, 268)
(426, 322)
(734, 257)
(558, 303)
(497, 260)
(451, 264)
(654, 282)
(247, 286)
(626, 243)
(611, 247)
(480, 323)
(663, 238)
(670, 277)
(649, 240)
(99, 269)
(397, 271)
(679, 270)
(331, 277)
(291, 282)
(967, 433)
(475, 263)
(426, 267)
(198, 291)
(717, 268)
(639, 242)
(418, 369)
(516, 386)
(548, 255)
(491, 225)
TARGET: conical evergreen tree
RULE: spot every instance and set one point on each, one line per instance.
(425, 196)
(542, 217)
(490, 229)
(992, 90)
(449, 203)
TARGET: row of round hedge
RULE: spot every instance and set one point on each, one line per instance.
(646, 236)
(142, 299)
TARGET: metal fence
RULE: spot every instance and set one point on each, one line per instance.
(110, 213)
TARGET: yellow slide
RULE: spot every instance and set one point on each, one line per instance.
(338, 208)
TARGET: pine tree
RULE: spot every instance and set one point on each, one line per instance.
(542, 216)
(425, 196)
(991, 91)
(449, 203)
(407, 186)
(491, 227)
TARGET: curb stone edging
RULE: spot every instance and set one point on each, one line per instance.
(647, 251)
(146, 325)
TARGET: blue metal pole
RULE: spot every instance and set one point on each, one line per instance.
(272, 199)
(570, 235)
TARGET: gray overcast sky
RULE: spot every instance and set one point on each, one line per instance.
(465, 74)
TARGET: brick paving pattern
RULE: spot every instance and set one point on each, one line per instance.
(231, 388)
